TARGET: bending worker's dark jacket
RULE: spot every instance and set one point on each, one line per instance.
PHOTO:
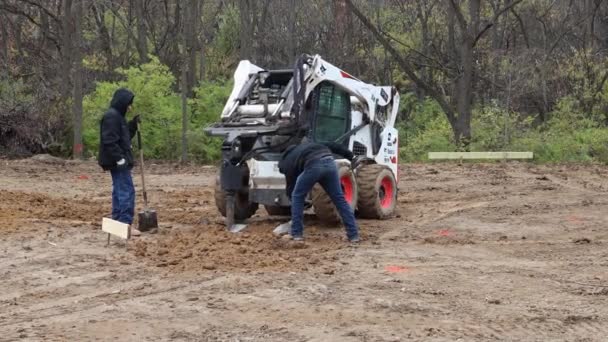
(295, 159)
(116, 133)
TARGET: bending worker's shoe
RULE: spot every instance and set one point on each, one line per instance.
(354, 240)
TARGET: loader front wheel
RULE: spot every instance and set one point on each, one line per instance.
(377, 192)
(322, 203)
(243, 209)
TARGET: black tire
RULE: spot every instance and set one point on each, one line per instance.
(322, 203)
(243, 209)
(276, 210)
(377, 192)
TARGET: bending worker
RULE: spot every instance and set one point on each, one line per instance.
(309, 163)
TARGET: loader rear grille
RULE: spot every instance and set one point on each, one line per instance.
(359, 149)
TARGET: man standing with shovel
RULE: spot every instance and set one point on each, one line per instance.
(116, 156)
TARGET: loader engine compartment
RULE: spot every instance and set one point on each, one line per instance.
(269, 86)
(263, 95)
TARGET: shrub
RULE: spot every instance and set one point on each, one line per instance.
(569, 135)
(160, 109)
(155, 100)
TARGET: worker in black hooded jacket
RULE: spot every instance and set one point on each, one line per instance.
(116, 156)
(309, 163)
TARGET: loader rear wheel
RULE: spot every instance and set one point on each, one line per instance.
(322, 203)
(243, 209)
(277, 210)
(377, 192)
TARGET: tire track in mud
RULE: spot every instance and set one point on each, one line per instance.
(97, 300)
(537, 328)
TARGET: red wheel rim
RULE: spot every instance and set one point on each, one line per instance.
(386, 192)
(347, 188)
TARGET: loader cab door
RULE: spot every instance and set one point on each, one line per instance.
(329, 113)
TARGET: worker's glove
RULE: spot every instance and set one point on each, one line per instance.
(121, 164)
(134, 123)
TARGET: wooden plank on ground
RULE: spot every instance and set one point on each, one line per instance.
(480, 155)
(115, 228)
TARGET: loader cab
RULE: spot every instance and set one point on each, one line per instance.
(329, 111)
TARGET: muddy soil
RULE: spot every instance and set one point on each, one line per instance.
(477, 252)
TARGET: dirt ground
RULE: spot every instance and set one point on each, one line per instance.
(477, 252)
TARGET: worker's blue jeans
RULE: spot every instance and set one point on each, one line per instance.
(324, 172)
(123, 196)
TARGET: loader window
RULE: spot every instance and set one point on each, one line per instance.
(332, 115)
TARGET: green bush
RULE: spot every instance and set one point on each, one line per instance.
(436, 137)
(569, 135)
(156, 102)
(551, 145)
(160, 109)
(206, 109)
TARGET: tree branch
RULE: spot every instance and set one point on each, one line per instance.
(459, 16)
(44, 9)
(404, 64)
(29, 17)
(522, 27)
(495, 19)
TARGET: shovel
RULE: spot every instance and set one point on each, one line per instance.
(147, 219)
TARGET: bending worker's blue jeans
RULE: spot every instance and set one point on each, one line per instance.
(123, 196)
(324, 172)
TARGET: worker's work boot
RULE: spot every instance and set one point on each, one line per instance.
(134, 231)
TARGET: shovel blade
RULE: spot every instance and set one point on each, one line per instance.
(147, 220)
(237, 227)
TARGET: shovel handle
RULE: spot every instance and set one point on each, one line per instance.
(141, 166)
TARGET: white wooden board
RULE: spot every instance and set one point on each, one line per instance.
(481, 155)
(115, 228)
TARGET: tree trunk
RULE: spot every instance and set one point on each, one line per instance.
(44, 29)
(464, 96)
(3, 47)
(66, 47)
(291, 49)
(341, 47)
(464, 93)
(184, 113)
(127, 56)
(425, 43)
(184, 86)
(104, 35)
(202, 62)
(142, 41)
(246, 35)
(78, 79)
(18, 27)
(191, 28)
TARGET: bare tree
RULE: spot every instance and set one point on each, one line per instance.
(457, 108)
(142, 40)
(78, 11)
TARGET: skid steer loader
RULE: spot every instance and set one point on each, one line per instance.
(269, 110)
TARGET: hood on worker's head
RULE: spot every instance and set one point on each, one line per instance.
(121, 100)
